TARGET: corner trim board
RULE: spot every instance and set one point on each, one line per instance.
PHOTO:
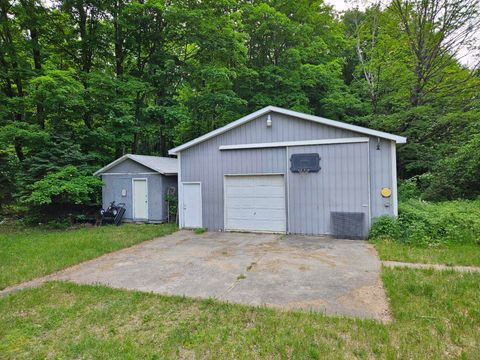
(394, 178)
(180, 192)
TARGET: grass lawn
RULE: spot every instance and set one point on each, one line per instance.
(454, 254)
(26, 253)
(436, 315)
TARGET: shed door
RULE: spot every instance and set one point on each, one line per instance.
(255, 203)
(140, 199)
(192, 205)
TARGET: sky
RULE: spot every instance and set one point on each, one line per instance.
(341, 5)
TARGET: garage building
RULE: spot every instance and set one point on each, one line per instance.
(140, 182)
(278, 170)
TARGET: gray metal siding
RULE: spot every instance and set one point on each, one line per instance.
(206, 163)
(157, 187)
(112, 191)
(380, 176)
(340, 185)
(156, 198)
(284, 128)
(129, 166)
(210, 173)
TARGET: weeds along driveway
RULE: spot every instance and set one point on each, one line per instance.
(288, 272)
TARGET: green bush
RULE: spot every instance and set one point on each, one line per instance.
(172, 202)
(385, 227)
(67, 186)
(199, 231)
(415, 187)
(60, 197)
(422, 223)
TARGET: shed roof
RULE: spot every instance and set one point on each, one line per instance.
(162, 165)
(268, 109)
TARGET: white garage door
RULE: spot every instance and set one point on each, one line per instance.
(255, 203)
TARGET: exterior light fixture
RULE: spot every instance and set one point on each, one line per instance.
(269, 120)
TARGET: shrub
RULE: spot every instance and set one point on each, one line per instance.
(385, 227)
(422, 223)
(59, 197)
(457, 175)
(67, 186)
(415, 187)
(199, 231)
(408, 189)
(172, 202)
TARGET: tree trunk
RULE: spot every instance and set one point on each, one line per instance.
(137, 124)
(36, 52)
(119, 55)
(417, 90)
(10, 47)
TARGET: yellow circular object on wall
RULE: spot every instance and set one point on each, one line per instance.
(386, 192)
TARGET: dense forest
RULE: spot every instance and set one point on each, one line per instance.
(85, 81)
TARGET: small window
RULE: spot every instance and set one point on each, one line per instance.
(304, 163)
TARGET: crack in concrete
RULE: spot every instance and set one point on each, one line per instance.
(240, 277)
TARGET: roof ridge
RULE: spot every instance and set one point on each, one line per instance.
(165, 167)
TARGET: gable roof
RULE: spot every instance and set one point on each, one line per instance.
(265, 110)
(162, 165)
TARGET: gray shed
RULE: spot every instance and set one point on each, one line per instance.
(141, 182)
(278, 170)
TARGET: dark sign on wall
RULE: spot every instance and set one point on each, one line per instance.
(305, 163)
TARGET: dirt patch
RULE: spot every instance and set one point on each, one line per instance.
(293, 252)
(185, 354)
(302, 255)
(223, 252)
(304, 268)
(221, 258)
(370, 297)
(222, 264)
(107, 265)
(324, 258)
(255, 248)
(173, 276)
(278, 265)
(371, 250)
(310, 304)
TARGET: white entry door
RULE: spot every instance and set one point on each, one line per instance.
(140, 199)
(255, 203)
(192, 205)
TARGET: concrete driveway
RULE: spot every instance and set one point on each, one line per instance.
(288, 272)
